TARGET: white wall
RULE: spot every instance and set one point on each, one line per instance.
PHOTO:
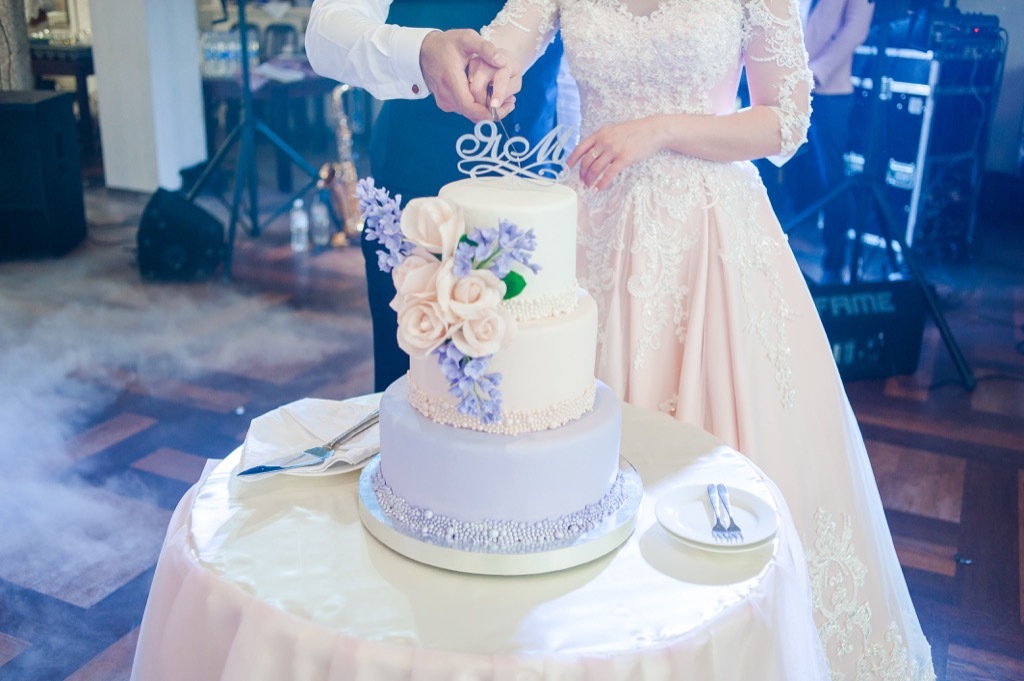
(1005, 140)
(146, 56)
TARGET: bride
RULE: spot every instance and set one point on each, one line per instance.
(704, 312)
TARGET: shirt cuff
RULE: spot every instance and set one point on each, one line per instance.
(406, 52)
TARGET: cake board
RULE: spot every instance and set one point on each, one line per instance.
(591, 545)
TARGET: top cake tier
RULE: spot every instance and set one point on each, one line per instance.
(546, 208)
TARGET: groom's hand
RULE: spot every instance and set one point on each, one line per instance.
(444, 61)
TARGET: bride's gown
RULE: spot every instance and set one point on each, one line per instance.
(704, 312)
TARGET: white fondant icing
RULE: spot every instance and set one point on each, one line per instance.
(546, 368)
(512, 422)
(549, 210)
(474, 476)
(525, 310)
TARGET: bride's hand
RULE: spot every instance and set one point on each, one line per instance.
(604, 154)
(492, 87)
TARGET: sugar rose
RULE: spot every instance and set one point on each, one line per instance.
(486, 334)
(421, 327)
(415, 277)
(471, 296)
(433, 223)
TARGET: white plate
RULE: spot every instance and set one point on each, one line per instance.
(686, 513)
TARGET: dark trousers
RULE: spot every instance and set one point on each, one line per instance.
(389, 361)
(830, 140)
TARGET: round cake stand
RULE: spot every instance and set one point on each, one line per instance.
(589, 546)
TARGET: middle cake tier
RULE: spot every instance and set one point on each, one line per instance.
(547, 376)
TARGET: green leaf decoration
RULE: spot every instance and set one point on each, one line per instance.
(514, 284)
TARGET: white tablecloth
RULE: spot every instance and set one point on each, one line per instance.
(277, 580)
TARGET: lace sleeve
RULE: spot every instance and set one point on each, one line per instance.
(517, 22)
(777, 72)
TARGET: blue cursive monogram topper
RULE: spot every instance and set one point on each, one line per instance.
(485, 153)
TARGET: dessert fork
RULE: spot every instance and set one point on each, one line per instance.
(320, 452)
(718, 532)
(733, 533)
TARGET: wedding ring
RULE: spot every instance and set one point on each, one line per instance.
(594, 153)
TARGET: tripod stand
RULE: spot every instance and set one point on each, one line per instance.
(245, 166)
(868, 189)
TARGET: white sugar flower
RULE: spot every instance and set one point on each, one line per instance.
(471, 296)
(421, 327)
(486, 334)
(434, 224)
(415, 277)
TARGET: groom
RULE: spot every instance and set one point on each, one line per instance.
(423, 49)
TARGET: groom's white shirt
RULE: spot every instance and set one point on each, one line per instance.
(351, 42)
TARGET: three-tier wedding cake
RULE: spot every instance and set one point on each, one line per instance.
(499, 449)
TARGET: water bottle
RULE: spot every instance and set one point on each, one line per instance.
(254, 51)
(319, 222)
(223, 52)
(233, 56)
(299, 227)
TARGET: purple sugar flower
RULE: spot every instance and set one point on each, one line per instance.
(486, 241)
(382, 218)
(450, 359)
(501, 264)
(463, 259)
(519, 245)
(475, 367)
(476, 391)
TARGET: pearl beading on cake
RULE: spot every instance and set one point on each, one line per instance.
(495, 536)
(512, 422)
(543, 307)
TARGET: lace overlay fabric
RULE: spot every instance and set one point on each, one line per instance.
(838, 578)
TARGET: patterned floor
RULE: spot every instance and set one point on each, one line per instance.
(117, 391)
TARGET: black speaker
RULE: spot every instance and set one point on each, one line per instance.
(875, 328)
(178, 240)
(42, 211)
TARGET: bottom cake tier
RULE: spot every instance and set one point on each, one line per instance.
(413, 536)
(471, 477)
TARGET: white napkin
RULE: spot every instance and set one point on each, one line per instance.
(309, 422)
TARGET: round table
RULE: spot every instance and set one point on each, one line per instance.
(278, 580)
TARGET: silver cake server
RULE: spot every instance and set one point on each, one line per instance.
(318, 454)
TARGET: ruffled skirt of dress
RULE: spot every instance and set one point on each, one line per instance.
(705, 314)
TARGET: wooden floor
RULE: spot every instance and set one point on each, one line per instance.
(116, 392)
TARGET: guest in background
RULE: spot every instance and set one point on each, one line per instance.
(402, 52)
(834, 29)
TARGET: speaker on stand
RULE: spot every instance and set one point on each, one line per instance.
(244, 134)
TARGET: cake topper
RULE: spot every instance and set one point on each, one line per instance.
(484, 152)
